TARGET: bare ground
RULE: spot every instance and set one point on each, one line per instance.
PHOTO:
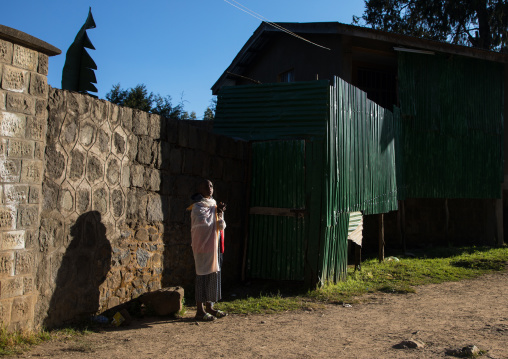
(449, 315)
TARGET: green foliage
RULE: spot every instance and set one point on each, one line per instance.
(477, 23)
(208, 115)
(78, 72)
(139, 98)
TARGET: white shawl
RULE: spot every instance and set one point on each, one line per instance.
(205, 227)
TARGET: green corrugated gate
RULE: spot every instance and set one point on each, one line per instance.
(277, 219)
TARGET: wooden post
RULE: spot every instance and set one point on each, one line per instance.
(381, 238)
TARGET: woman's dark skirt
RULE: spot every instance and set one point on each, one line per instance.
(208, 287)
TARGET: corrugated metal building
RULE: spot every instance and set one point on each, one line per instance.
(448, 109)
(319, 152)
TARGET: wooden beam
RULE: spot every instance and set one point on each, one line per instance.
(275, 211)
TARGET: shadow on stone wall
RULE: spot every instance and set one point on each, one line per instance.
(84, 267)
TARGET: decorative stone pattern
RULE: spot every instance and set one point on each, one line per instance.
(23, 122)
(133, 174)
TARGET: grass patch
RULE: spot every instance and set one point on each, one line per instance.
(17, 342)
(399, 276)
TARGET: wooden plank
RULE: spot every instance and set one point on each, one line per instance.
(274, 211)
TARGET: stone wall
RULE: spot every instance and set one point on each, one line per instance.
(23, 99)
(93, 196)
(116, 187)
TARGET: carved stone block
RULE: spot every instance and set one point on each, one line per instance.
(10, 170)
(12, 125)
(17, 102)
(12, 287)
(28, 217)
(15, 194)
(20, 149)
(42, 68)
(15, 80)
(38, 85)
(6, 266)
(12, 240)
(34, 195)
(31, 172)
(6, 49)
(41, 108)
(24, 263)
(25, 58)
(36, 128)
(22, 309)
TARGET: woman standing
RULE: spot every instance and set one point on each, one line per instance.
(207, 220)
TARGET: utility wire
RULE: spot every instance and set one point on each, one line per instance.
(277, 26)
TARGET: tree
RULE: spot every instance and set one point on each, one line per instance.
(139, 98)
(78, 71)
(476, 23)
(208, 115)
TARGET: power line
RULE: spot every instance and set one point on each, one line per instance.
(277, 26)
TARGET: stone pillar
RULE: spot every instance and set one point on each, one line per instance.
(23, 121)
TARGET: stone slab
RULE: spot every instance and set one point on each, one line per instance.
(31, 172)
(12, 125)
(15, 80)
(20, 149)
(7, 217)
(18, 102)
(15, 194)
(38, 85)
(24, 263)
(22, 309)
(42, 67)
(6, 50)
(12, 240)
(6, 266)
(25, 58)
(36, 128)
(10, 170)
(28, 217)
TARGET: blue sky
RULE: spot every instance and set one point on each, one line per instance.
(176, 48)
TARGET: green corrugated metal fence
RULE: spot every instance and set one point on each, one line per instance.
(451, 113)
(276, 242)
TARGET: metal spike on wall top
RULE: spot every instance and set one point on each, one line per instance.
(78, 72)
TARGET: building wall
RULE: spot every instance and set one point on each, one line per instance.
(287, 52)
(23, 99)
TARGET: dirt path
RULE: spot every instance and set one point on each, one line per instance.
(449, 315)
